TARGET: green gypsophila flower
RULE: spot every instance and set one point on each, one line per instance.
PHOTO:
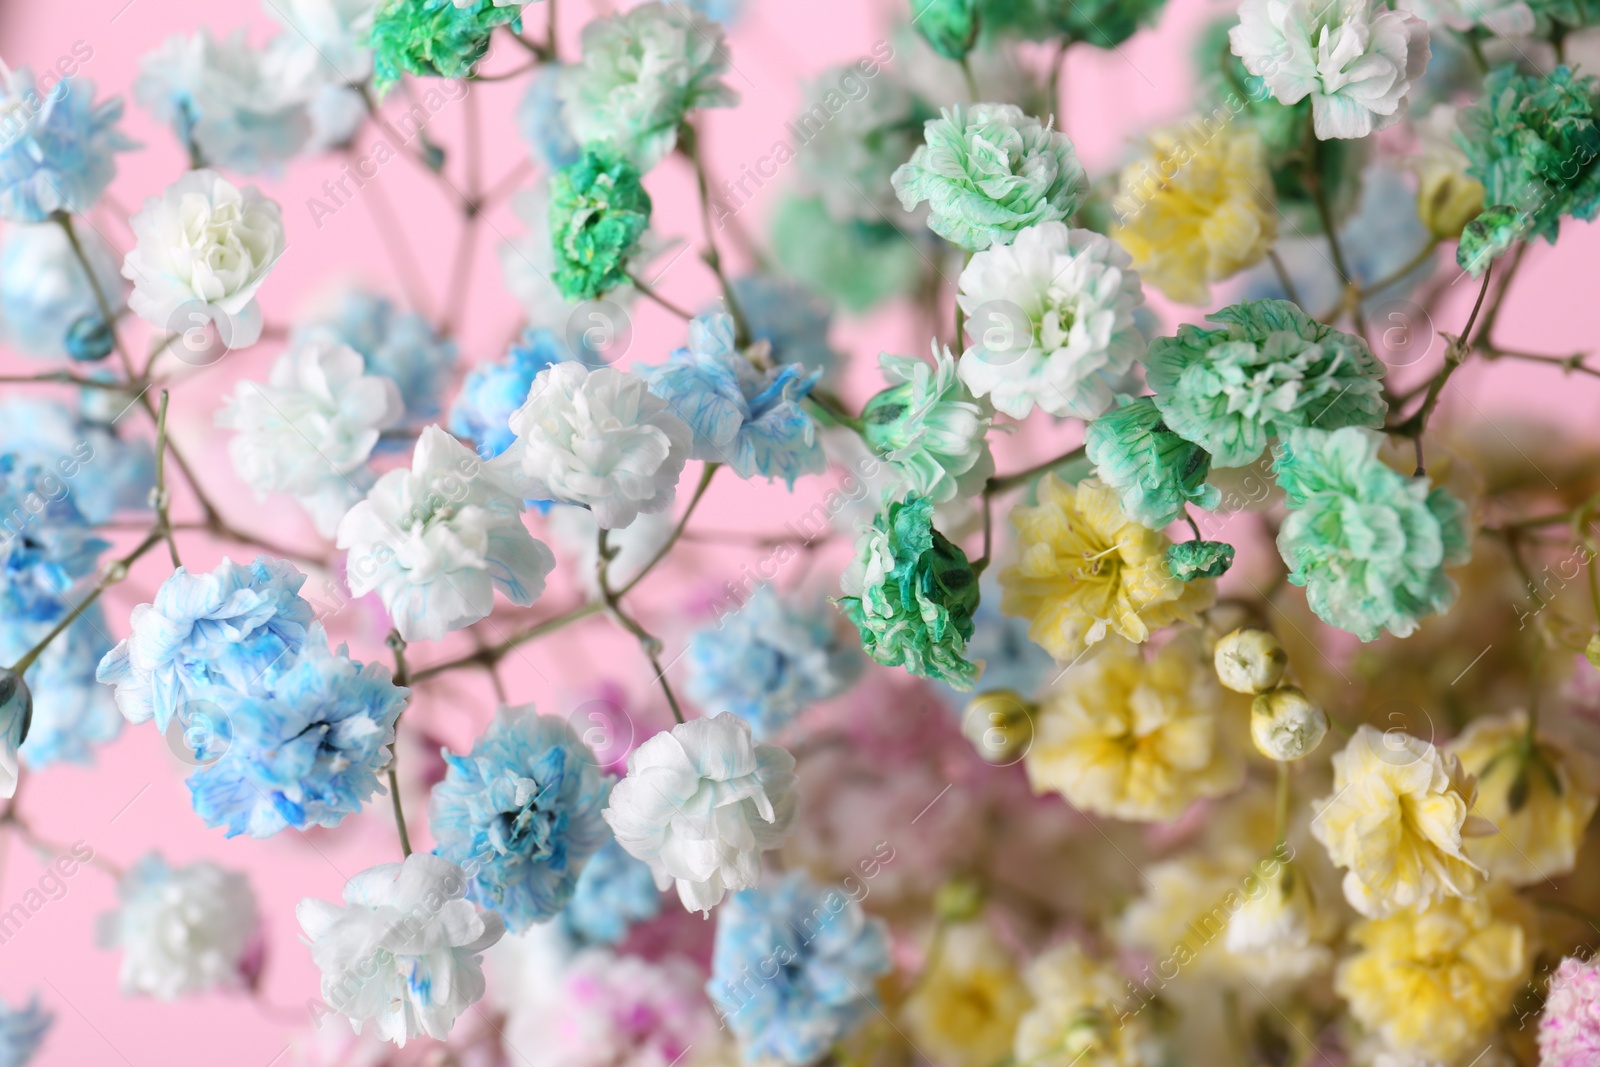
(1190, 561)
(598, 212)
(1102, 23)
(949, 26)
(912, 593)
(988, 171)
(1270, 368)
(432, 38)
(929, 427)
(1369, 544)
(856, 264)
(1532, 140)
(1154, 471)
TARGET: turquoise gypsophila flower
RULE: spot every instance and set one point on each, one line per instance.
(1269, 369)
(433, 38)
(1156, 472)
(614, 892)
(769, 661)
(395, 344)
(1369, 544)
(47, 547)
(299, 745)
(598, 212)
(22, 1030)
(855, 264)
(746, 416)
(56, 147)
(988, 171)
(830, 956)
(930, 427)
(520, 814)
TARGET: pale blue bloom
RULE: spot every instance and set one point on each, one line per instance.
(540, 120)
(47, 306)
(56, 147)
(614, 891)
(1010, 659)
(395, 344)
(828, 956)
(742, 415)
(226, 628)
(493, 390)
(300, 746)
(104, 472)
(770, 660)
(21, 1032)
(46, 545)
(72, 711)
(723, 11)
(789, 317)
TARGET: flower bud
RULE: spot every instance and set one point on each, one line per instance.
(16, 715)
(1447, 200)
(1286, 724)
(1250, 660)
(999, 723)
(950, 26)
(958, 900)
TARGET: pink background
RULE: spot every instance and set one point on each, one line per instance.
(134, 799)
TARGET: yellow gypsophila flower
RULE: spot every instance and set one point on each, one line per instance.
(1085, 570)
(1196, 209)
(1083, 1016)
(1434, 983)
(1133, 738)
(1538, 796)
(966, 1007)
(1396, 819)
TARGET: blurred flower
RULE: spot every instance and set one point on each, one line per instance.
(404, 950)
(929, 428)
(852, 135)
(541, 119)
(949, 26)
(827, 957)
(46, 545)
(1156, 473)
(1569, 1029)
(968, 999)
(16, 715)
(204, 248)
(72, 711)
(790, 318)
(520, 814)
(1085, 570)
(1101, 23)
(493, 390)
(335, 29)
(1508, 18)
(1396, 819)
(437, 540)
(105, 473)
(182, 930)
(989, 172)
(1447, 196)
(399, 345)
(47, 304)
(1078, 1017)
(613, 892)
(22, 1030)
(598, 213)
(1000, 642)
(432, 38)
(56, 148)
(311, 428)
(700, 804)
(857, 264)
(642, 72)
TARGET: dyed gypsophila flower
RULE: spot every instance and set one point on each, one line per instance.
(311, 428)
(47, 304)
(493, 390)
(72, 712)
(848, 158)
(929, 427)
(437, 540)
(988, 172)
(1369, 544)
(1569, 1029)
(542, 121)
(598, 213)
(22, 1031)
(399, 345)
(405, 949)
(1156, 473)
(642, 72)
(326, 47)
(432, 38)
(46, 545)
(1101, 23)
(1356, 59)
(1269, 369)
(791, 319)
(302, 745)
(224, 628)
(744, 415)
(597, 438)
(204, 248)
(520, 814)
(829, 957)
(56, 147)
(700, 804)
(1508, 18)
(108, 473)
(182, 930)
(912, 593)
(614, 892)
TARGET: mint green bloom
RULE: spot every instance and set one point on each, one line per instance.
(1369, 544)
(930, 427)
(1271, 368)
(598, 212)
(912, 594)
(1188, 561)
(858, 265)
(432, 38)
(988, 171)
(949, 26)
(1156, 472)
(1488, 237)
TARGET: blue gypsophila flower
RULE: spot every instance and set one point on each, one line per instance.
(541, 122)
(21, 1032)
(746, 416)
(770, 660)
(72, 712)
(1001, 643)
(613, 892)
(790, 318)
(301, 746)
(395, 344)
(55, 146)
(226, 628)
(47, 306)
(520, 814)
(828, 955)
(104, 472)
(46, 545)
(492, 391)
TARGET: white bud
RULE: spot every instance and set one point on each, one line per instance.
(1286, 724)
(1250, 660)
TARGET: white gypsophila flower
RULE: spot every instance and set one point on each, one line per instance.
(405, 949)
(573, 530)
(309, 430)
(700, 804)
(599, 438)
(437, 540)
(182, 930)
(1356, 59)
(642, 72)
(852, 135)
(334, 30)
(204, 248)
(1051, 321)
(1508, 18)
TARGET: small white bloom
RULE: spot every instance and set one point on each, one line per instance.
(1051, 322)
(700, 805)
(1354, 58)
(437, 540)
(204, 248)
(182, 930)
(598, 438)
(310, 429)
(1508, 18)
(404, 950)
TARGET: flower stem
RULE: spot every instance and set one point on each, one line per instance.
(401, 678)
(689, 139)
(1282, 813)
(114, 574)
(677, 531)
(1001, 483)
(163, 518)
(647, 641)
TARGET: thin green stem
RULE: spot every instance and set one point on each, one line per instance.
(647, 641)
(972, 82)
(163, 517)
(1422, 256)
(494, 653)
(402, 679)
(64, 220)
(651, 294)
(1281, 833)
(689, 139)
(1002, 483)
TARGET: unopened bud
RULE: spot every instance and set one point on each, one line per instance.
(1250, 660)
(999, 724)
(1286, 724)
